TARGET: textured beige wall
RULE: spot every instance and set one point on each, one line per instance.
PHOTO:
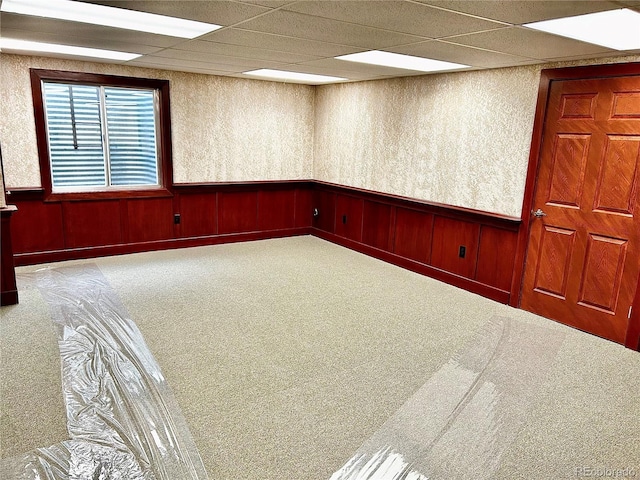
(224, 129)
(459, 138)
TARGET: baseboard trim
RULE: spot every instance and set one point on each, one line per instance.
(9, 297)
(23, 259)
(473, 286)
(34, 258)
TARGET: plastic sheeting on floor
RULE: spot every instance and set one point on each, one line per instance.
(122, 418)
(460, 423)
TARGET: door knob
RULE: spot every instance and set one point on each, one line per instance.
(538, 213)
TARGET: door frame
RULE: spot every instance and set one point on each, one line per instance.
(547, 76)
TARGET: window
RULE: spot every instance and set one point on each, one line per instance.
(102, 135)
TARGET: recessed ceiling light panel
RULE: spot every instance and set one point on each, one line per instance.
(616, 29)
(109, 17)
(39, 47)
(397, 60)
(309, 78)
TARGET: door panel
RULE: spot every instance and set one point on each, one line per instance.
(626, 105)
(583, 258)
(567, 172)
(578, 105)
(618, 180)
(602, 272)
(556, 247)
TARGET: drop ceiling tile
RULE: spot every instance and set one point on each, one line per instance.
(332, 64)
(63, 56)
(324, 70)
(282, 43)
(626, 56)
(215, 59)
(299, 82)
(258, 79)
(268, 3)
(334, 72)
(448, 52)
(399, 16)
(175, 68)
(245, 52)
(305, 36)
(528, 43)
(523, 11)
(63, 39)
(84, 30)
(219, 12)
(326, 30)
(183, 64)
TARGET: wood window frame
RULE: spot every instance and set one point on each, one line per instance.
(165, 165)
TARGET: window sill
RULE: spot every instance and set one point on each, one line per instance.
(162, 192)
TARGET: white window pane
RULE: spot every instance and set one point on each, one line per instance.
(75, 135)
(132, 136)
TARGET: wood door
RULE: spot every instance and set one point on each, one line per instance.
(583, 257)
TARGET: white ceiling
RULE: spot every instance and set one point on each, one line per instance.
(304, 36)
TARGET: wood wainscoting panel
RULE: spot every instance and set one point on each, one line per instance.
(398, 230)
(424, 237)
(276, 209)
(91, 224)
(237, 212)
(209, 213)
(197, 214)
(8, 286)
(376, 225)
(149, 219)
(449, 238)
(37, 227)
(413, 232)
(496, 257)
(349, 217)
(304, 207)
(324, 204)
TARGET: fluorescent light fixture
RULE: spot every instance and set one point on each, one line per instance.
(293, 76)
(396, 60)
(38, 47)
(616, 29)
(109, 17)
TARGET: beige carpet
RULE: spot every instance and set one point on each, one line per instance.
(31, 406)
(286, 355)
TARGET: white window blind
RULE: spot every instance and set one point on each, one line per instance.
(132, 136)
(101, 137)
